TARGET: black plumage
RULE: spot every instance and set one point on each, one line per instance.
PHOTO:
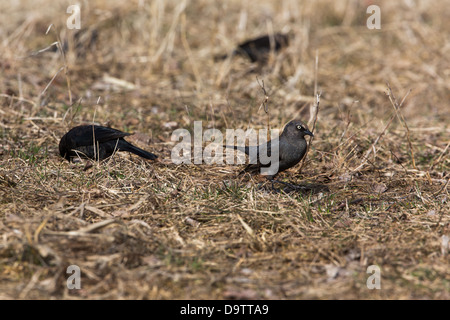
(291, 146)
(257, 50)
(97, 143)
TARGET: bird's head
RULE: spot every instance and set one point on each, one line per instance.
(297, 129)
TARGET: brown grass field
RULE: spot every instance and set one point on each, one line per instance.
(374, 187)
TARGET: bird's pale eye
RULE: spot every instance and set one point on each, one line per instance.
(299, 127)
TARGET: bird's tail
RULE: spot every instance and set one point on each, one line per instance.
(137, 151)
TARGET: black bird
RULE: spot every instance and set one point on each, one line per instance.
(291, 149)
(258, 49)
(82, 42)
(98, 143)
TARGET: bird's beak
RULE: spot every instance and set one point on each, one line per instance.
(309, 133)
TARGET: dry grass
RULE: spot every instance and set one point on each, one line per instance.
(380, 167)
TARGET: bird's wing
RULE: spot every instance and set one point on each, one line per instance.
(103, 134)
(265, 150)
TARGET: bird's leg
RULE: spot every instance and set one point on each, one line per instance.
(273, 188)
(270, 178)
